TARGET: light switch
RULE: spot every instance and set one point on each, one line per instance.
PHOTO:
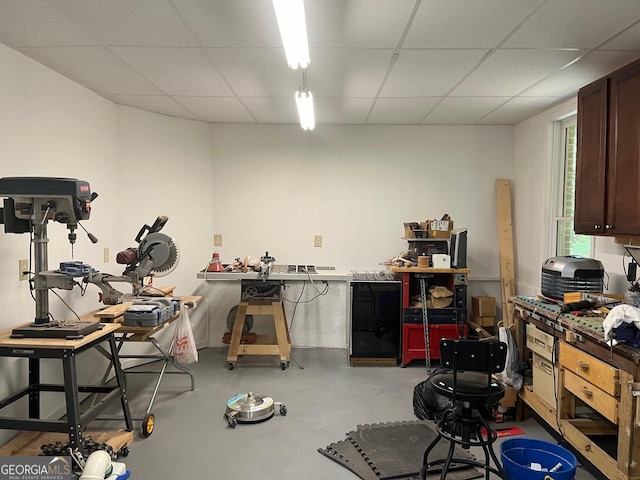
(317, 240)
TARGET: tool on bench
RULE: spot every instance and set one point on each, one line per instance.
(156, 255)
(578, 306)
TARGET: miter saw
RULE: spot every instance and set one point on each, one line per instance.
(156, 255)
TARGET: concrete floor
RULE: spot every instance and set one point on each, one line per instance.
(325, 398)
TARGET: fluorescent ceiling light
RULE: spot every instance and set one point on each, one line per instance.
(304, 101)
(293, 30)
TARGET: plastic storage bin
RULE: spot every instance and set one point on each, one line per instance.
(517, 454)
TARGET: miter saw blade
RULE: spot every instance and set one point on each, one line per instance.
(162, 250)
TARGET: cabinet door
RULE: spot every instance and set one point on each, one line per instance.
(591, 164)
(623, 197)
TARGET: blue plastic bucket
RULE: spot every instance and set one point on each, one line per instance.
(517, 454)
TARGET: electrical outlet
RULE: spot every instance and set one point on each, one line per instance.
(317, 240)
(217, 240)
(106, 255)
(23, 270)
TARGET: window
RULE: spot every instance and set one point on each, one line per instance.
(565, 241)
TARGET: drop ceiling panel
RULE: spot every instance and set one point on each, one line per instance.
(36, 23)
(176, 71)
(629, 39)
(273, 109)
(429, 73)
(463, 110)
(464, 23)
(342, 111)
(356, 23)
(256, 72)
(237, 23)
(401, 111)
(593, 66)
(580, 24)
(126, 22)
(153, 103)
(508, 72)
(94, 67)
(347, 72)
(517, 110)
(217, 109)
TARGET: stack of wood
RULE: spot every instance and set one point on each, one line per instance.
(439, 297)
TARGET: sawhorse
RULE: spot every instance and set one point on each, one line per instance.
(280, 344)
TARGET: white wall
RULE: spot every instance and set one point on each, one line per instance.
(275, 187)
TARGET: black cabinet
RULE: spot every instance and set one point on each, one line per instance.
(376, 312)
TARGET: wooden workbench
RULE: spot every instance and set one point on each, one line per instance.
(591, 377)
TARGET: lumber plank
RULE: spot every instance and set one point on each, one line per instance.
(505, 246)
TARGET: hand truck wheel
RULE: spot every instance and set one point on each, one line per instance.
(148, 424)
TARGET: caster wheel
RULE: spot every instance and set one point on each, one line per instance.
(402, 365)
(232, 421)
(231, 365)
(283, 410)
(148, 423)
(124, 452)
(284, 365)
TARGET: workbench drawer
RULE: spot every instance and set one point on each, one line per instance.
(539, 342)
(597, 399)
(599, 373)
(545, 379)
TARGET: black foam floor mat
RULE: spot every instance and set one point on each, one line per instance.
(393, 450)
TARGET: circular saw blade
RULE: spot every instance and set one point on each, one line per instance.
(162, 250)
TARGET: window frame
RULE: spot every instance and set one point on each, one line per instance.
(558, 184)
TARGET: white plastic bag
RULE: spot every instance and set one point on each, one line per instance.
(510, 375)
(184, 345)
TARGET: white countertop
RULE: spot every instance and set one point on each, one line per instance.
(296, 277)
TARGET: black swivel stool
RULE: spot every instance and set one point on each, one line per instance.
(469, 385)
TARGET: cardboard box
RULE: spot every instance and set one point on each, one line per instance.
(410, 228)
(488, 321)
(510, 397)
(440, 228)
(482, 306)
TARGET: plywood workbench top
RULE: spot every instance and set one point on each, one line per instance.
(61, 343)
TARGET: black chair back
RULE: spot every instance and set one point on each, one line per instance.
(487, 356)
(477, 356)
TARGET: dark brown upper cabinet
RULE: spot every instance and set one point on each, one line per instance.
(608, 163)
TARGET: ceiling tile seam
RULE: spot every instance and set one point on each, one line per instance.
(209, 57)
(486, 56)
(394, 57)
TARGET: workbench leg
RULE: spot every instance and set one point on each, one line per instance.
(34, 393)
(628, 431)
(236, 335)
(282, 330)
(117, 367)
(73, 405)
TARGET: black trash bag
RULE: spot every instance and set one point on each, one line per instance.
(427, 403)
